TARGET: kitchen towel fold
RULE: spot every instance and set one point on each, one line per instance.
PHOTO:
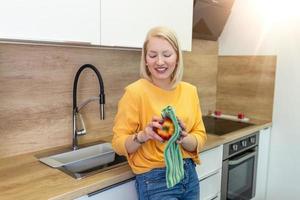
(172, 154)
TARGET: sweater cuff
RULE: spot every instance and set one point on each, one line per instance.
(120, 146)
(200, 143)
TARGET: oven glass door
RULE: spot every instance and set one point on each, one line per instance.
(241, 176)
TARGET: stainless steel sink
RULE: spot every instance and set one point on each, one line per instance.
(85, 161)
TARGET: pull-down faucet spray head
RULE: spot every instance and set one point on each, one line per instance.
(102, 102)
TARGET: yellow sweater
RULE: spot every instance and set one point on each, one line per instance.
(141, 101)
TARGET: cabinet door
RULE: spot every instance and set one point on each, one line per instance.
(211, 161)
(210, 172)
(262, 164)
(210, 186)
(55, 20)
(125, 191)
(125, 23)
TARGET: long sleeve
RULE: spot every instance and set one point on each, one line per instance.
(126, 122)
(198, 129)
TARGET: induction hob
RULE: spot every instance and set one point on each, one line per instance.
(219, 126)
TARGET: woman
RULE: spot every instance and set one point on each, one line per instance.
(138, 116)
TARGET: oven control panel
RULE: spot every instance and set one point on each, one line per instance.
(242, 144)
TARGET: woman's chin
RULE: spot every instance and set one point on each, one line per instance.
(162, 76)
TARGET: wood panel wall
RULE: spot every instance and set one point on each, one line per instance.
(246, 84)
(36, 90)
(201, 70)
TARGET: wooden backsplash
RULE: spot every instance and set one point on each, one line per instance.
(36, 90)
(246, 84)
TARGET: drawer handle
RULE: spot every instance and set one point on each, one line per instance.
(210, 174)
(214, 197)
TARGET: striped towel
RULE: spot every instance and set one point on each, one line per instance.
(172, 154)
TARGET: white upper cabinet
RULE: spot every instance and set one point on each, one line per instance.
(55, 20)
(125, 23)
(98, 22)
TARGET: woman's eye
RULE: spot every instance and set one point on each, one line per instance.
(152, 56)
(167, 55)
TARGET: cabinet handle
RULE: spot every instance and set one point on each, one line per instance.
(109, 187)
(214, 197)
(210, 174)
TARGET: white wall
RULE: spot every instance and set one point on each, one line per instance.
(272, 27)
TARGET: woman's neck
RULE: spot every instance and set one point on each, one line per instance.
(163, 84)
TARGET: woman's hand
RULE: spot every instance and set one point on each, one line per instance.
(187, 141)
(148, 133)
(143, 136)
(183, 132)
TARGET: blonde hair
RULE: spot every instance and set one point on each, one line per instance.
(170, 36)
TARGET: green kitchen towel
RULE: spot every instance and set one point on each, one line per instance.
(172, 154)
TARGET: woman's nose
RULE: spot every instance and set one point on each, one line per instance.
(160, 60)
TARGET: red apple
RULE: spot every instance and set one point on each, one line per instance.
(167, 129)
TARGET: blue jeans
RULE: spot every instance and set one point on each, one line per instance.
(152, 185)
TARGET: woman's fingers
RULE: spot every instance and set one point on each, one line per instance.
(183, 134)
(154, 136)
(157, 137)
(156, 119)
(181, 124)
(150, 130)
(155, 124)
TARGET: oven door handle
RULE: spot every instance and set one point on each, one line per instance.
(242, 159)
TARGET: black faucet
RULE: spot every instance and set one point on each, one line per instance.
(76, 108)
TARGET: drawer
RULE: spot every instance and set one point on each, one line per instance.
(214, 197)
(210, 186)
(124, 191)
(211, 161)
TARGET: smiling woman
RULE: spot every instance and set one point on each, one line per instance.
(139, 132)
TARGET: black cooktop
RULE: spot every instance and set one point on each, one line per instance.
(219, 126)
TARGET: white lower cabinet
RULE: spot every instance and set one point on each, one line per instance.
(210, 173)
(210, 186)
(211, 161)
(124, 191)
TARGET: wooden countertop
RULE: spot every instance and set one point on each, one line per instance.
(24, 177)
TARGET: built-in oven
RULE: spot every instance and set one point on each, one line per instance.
(239, 168)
